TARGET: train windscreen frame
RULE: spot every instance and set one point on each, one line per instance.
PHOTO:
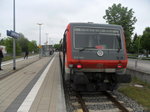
(96, 38)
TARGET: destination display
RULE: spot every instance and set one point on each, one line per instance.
(96, 30)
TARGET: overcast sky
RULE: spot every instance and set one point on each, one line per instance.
(56, 14)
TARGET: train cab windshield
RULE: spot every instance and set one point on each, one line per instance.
(97, 38)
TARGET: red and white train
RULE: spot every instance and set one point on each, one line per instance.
(94, 56)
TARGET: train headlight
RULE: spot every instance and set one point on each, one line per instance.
(79, 66)
(119, 66)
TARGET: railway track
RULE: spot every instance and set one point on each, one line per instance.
(85, 104)
(93, 102)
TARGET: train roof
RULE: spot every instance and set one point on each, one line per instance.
(96, 25)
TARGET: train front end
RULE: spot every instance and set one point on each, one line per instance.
(96, 56)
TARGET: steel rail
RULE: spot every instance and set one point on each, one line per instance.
(116, 102)
(82, 103)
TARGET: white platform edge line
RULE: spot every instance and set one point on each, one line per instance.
(25, 106)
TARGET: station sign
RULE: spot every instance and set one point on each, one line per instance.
(13, 34)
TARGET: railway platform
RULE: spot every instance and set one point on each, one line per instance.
(139, 69)
(139, 65)
(33, 88)
(7, 66)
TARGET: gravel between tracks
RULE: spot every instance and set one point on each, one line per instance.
(128, 102)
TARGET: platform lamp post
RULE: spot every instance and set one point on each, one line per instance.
(49, 41)
(40, 50)
(47, 44)
(136, 61)
(46, 38)
(14, 41)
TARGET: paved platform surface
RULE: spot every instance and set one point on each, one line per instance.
(50, 97)
(7, 66)
(142, 65)
(35, 88)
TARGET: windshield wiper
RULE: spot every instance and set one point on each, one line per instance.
(82, 49)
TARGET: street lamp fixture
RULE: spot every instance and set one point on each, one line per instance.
(40, 50)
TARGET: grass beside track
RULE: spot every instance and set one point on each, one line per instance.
(140, 94)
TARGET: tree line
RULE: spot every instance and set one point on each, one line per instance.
(140, 43)
(120, 15)
(22, 45)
